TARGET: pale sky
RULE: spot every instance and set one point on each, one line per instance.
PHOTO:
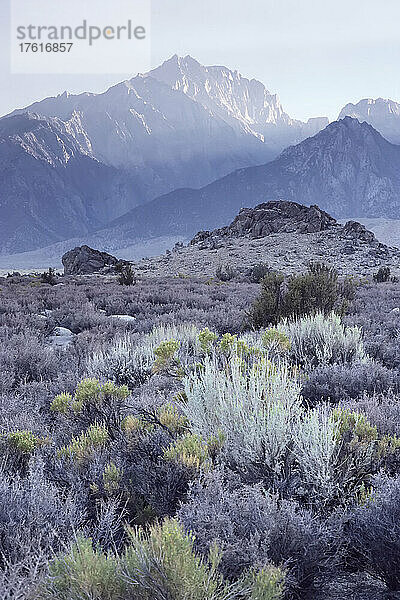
(317, 55)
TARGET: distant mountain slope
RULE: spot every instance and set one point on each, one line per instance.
(383, 115)
(347, 169)
(180, 125)
(73, 163)
(51, 188)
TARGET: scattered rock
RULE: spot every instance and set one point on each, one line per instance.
(348, 249)
(84, 260)
(61, 337)
(200, 236)
(126, 318)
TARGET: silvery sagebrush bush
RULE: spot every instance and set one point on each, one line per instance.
(255, 411)
(323, 339)
(130, 359)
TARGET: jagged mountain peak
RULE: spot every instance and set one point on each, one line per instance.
(224, 92)
(181, 125)
(345, 137)
(189, 66)
(351, 126)
(244, 103)
(382, 113)
(371, 105)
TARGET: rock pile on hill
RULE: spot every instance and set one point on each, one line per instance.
(84, 260)
(272, 217)
(286, 236)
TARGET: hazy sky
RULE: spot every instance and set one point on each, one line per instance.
(317, 55)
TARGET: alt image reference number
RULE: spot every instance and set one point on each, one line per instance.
(48, 47)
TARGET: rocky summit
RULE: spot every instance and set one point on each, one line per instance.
(272, 217)
(285, 235)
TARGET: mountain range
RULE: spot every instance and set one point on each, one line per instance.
(178, 149)
(383, 115)
(347, 169)
(50, 187)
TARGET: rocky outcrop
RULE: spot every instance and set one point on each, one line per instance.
(355, 230)
(84, 260)
(283, 236)
(272, 217)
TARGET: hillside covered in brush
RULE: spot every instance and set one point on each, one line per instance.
(225, 438)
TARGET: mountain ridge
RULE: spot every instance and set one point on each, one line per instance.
(347, 169)
(382, 113)
(173, 136)
(51, 187)
(179, 131)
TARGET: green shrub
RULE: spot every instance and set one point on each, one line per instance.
(83, 572)
(207, 340)
(126, 275)
(276, 341)
(194, 452)
(24, 442)
(111, 478)
(170, 417)
(165, 561)
(165, 356)
(317, 290)
(62, 403)
(92, 402)
(382, 275)
(267, 308)
(88, 392)
(132, 425)
(157, 565)
(267, 583)
(357, 426)
(83, 447)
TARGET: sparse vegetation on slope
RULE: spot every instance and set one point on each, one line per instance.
(183, 455)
